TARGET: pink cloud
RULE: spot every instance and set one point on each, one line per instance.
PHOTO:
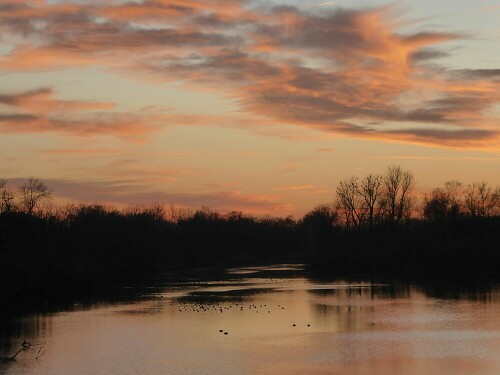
(367, 78)
(123, 194)
(294, 187)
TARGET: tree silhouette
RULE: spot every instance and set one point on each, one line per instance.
(437, 205)
(398, 185)
(6, 197)
(32, 193)
(370, 189)
(454, 190)
(318, 224)
(349, 202)
(443, 203)
(109, 246)
(481, 200)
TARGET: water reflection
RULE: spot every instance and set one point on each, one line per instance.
(265, 320)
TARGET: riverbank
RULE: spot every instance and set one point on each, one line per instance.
(49, 259)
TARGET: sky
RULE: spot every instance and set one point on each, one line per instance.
(252, 105)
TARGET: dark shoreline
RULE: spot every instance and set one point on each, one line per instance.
(47, 260)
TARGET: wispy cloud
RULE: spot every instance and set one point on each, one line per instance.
(292, 188)
(433, 158)
(327, 3)
(38, 111)
(121, 193)
(489, 8)
(346, 71)
(325, 149)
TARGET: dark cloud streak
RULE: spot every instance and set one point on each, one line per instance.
(364, 70)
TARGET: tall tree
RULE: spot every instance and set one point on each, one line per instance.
(454, 191)
(481, 200)
(349, 201)
(32, 193)
(444, 203)
(398, 186)
(370, 190)
(436, 205)
(6, 197)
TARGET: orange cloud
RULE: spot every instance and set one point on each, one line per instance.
(37, 111)
(41, 100)
(123, 193)
(87, 152)
(292, 188)
(339, 70)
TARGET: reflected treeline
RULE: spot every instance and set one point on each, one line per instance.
(479, 290)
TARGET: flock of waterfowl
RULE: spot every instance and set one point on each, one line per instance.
(212, 307)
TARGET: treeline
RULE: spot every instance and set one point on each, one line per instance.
(390, 198)
(376, 226)
(50, 253)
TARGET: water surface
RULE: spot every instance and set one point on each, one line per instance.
(277, 320)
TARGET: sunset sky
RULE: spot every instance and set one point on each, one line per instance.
(253, 105)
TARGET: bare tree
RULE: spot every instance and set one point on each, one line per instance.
(349, 201)
(3, 183)
(437, 205)
(175, 214)
(444, 203)
(6, 197)
(33, 193)
(481, 200)
(370, 190)
(398, 185)
(454, 192)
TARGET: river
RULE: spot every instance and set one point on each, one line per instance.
(263, 320)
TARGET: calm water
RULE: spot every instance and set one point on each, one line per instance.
(340, 328)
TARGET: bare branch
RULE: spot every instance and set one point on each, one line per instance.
(41, 351)
(370, 191)
(6, 197)
(398, 185)
(349, 201)
(33, 193)
(481, 200)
